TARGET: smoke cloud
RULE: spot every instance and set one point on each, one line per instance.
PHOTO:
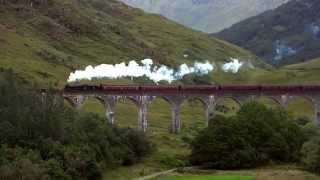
(233, 66)
(148, 69)
(145, 68)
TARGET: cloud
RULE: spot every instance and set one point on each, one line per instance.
(145, 68)
(233, 66)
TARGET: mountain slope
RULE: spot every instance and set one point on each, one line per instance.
(206, 15)
(312, 65)
(43, 41)
(289, 34)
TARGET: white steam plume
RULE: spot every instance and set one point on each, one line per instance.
(233, 66)
(133, 69)
(146, 68)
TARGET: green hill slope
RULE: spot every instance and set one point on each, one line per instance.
(312, 65)
(43, 41)
(306, 73)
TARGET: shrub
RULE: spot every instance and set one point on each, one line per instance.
(19, 163)
(137, 145)
(41, 138)
(221, 146)
(311, 130)
(302, 121)
(255, 136)
(172, 161)
(311, 155)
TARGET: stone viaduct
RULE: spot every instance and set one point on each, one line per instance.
(209, 95)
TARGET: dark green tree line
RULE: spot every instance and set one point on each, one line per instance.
(255, 136)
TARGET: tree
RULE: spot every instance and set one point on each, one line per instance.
(255, 136)
(221, 146)
(41, 138)
(311, 155)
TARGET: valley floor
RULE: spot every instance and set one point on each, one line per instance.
(171, 148)
(283, 172)
(265, 173)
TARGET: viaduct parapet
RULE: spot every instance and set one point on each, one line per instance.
(208, 95)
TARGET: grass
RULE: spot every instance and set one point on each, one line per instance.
(207, 178)
(310, 65)
(44, 49)
(278, 172)
(172, 149)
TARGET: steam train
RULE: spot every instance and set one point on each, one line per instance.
(188, 88)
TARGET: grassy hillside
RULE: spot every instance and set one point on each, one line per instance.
(312, 65)
(302, 73)
(306, 73)
(43, 41)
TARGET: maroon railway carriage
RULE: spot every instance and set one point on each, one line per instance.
(292, 89)
(122, 89)
(237, 88)
(208, 89)
(199, 89)
(127, 89)
(310, 88)
(160, 88)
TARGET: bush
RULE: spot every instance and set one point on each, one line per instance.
(222, 147)
(41, 138)
(255, 136)
(311, 130)
(138, 147)
(172, 161)
(19, 163)
(311, 155)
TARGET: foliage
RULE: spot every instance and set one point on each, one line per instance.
(255, 136)
(311, 130)
(172, 161)
(311, 155)
(41, 138)
(134, 141)
(197, 79)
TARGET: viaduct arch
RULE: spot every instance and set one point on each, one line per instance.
(142, 96)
